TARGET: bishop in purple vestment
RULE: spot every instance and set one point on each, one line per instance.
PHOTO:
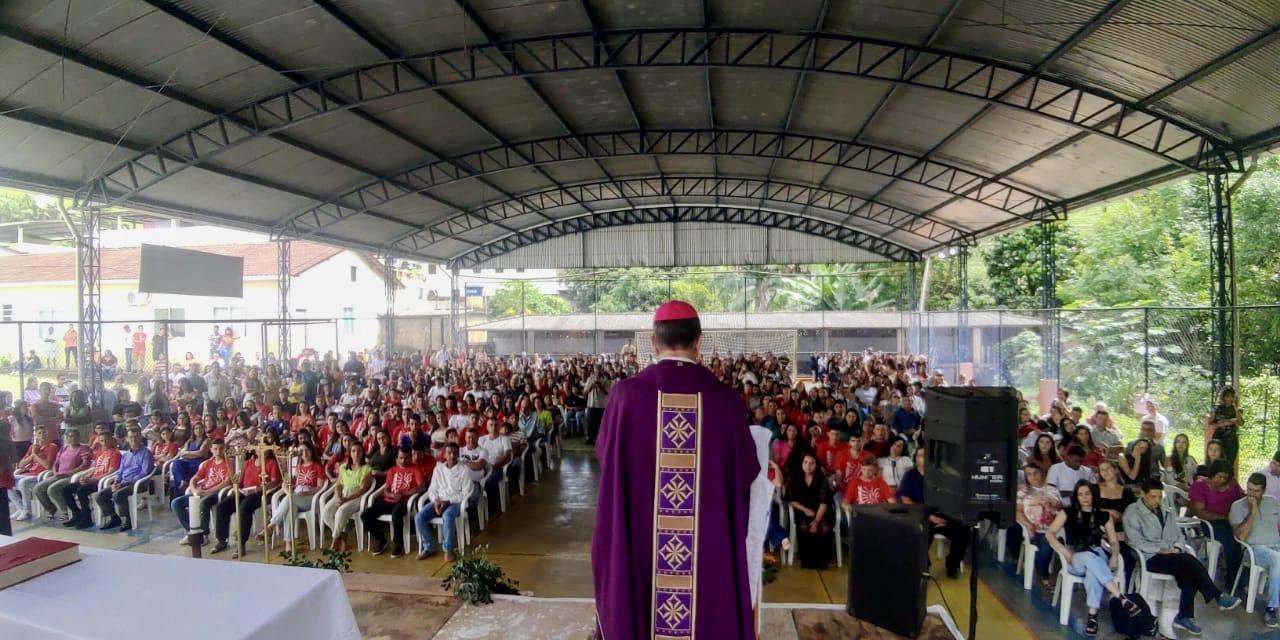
(677, 461)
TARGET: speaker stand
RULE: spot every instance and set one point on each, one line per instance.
(973, 582)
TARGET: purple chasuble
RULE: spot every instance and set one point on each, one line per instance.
(669, 550)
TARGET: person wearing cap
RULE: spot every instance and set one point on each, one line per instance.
(597, 389)
(677, 462)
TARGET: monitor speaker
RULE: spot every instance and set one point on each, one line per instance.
(888, 561)
(971, 464)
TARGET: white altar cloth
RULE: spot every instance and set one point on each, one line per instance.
(129, 596)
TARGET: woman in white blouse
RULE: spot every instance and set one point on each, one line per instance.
(895, 465)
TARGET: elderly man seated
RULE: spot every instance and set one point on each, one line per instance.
(1255, 519)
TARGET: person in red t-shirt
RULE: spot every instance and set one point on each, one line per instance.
(868, 487)
(40, 458)
(423, 460)
(213, 476)
(251, 490)
(309, 478)
(106, 459)
(848, 462)
(829, 452)
(402, 483)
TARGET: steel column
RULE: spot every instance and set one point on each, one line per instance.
(86, 232)
(964, 341)
(1051, 328)
(913, 306)
(1222, 296)
(284, 279)
(389, 319)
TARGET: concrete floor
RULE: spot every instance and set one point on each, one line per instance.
(544, 540)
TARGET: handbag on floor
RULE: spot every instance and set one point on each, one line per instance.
(1133, 625)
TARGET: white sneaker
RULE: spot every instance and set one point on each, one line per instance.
(23, 514)
(185, 541)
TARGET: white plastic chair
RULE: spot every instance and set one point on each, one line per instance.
(359, 524)
(1193, 525)
(463, 530)
(1027, 559)
(142, 496)
(311, 516)
(103, 483)
(386, 517)
(37, 510)
(835, 504)
(1067, 582)
(504, 488)
(1256, 573)
(1144, 576)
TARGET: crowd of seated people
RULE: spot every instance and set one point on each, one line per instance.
(426, 437)
(1130, 521)
(434, 432)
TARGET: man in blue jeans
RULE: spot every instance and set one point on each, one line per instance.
(1255, 519)
(450, 490)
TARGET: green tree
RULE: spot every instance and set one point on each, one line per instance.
(843, 287)
(1013, 266)
(20, 206)
(508, 299)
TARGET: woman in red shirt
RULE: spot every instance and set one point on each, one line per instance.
(165, 448)
(308, 478)
(39, 459)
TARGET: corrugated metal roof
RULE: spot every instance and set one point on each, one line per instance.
(329, 120)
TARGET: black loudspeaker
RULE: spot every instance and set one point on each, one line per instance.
(971, 464)
(888, 559)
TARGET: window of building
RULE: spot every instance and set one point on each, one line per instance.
(475, 271)
(7, 313)
(176, 321)
(354, 271)
(498, 270)
(348, 319)
(519, 269)
(431, 269)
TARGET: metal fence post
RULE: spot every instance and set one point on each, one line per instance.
(1146, 349)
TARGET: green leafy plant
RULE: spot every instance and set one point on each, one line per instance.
(771, 566)
(338, 561)
(475, 578)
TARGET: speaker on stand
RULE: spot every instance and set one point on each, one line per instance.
(971, 464)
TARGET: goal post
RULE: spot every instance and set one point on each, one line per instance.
(779, 342)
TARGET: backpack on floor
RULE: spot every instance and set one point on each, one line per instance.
(1133, 627)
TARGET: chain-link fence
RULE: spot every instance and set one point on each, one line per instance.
(1115, 356)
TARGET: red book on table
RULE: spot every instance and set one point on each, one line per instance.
(31, 557)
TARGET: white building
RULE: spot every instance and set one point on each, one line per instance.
(343, 287)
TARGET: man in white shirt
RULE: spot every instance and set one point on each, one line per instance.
(1158, 419)
(437, 390)
(500, 454)
(1067, 473)
(441, 359)
(450, 490)
(474, 456)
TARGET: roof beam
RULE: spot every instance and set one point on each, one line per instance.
(211, 30)
(492, 37)
(1235, 161)
(682, 213)
(1006, 196)
(1087, 29)
(1172, 139)
(161, 88)
(883, 218)
(785, 125)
